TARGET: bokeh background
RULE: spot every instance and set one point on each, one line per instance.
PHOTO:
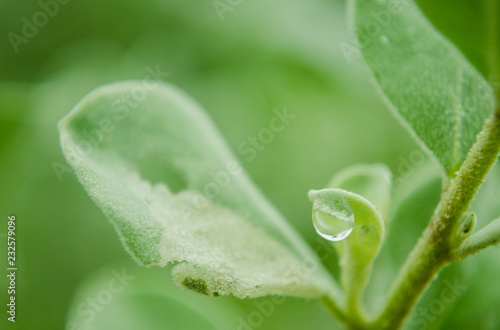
(259, 55)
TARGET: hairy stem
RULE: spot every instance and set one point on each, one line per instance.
(353, 322)
(434, 249)
(334, 309)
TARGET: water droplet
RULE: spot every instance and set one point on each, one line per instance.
(336, 223)
(384, 40)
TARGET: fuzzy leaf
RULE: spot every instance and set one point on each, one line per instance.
(487, 236)
(358, 251)
(372, 181)
(429, 82)
(225, 234)
(472, 26)
(142, 299)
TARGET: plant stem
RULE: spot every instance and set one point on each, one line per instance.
(353, 322)
(434, 250)
(334, 309)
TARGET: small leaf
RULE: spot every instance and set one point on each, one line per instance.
(372, 181)
(487, 236)
(359, 249)
(463, 229)
(228, 239)
(429, 82)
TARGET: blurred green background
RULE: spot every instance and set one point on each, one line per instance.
(261, 55)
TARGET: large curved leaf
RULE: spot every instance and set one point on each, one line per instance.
(228, 238)
(473, 27)
(432, 86)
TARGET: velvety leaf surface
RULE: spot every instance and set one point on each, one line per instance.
(228, 238)
(372, 181)
(357, 252)
(471, 26)
(427, 80)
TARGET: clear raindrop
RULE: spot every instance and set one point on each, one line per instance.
(335, 224)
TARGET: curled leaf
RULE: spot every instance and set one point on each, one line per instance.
(362, 243)
(225, 235)
(360, 246)
(463, 229)
(372, 181)
(485, 237)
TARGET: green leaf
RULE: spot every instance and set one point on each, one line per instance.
(432, 86)
(124, 296)
(372, 181)
(414, 202)
(463, 229)
(485, 204)
(472, 26)
(487, 236)
(358, 251)
(225, 234)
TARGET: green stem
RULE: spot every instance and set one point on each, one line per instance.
(353, 322)
(434, 249)
(334, 309)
